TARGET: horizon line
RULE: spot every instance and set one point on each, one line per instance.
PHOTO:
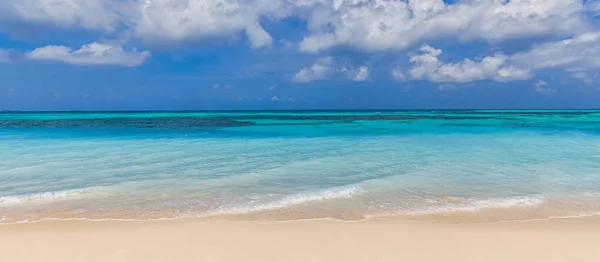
(292, 110)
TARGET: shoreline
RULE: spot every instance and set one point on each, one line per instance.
(457, 218)
(375, 239)
(309, 213)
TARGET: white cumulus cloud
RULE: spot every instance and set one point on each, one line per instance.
(164, 21)
(372, 25)
(90, 54)
(579, 53)
(325, 67)
(367, 25)
(393, 25)
(322, 68)
(428, 66)
(258, 36)
(179, 20)
(104, 15)
(362, 74)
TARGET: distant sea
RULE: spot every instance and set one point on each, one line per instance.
(441, 165)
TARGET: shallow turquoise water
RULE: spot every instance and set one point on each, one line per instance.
(141, 165)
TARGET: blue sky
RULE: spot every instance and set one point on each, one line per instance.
(304, 54)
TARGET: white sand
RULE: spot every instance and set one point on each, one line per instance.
(562, 240)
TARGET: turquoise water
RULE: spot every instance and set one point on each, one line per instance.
(492, 165)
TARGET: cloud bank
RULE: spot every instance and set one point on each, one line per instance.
(377, 25)
(578, 54)
(569, 28)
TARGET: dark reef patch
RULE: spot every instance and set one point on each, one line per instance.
(158, 122)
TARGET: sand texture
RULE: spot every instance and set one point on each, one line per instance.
(563, 240)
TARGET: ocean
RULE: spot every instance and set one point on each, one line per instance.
(449, 166)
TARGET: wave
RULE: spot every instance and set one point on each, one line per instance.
(14, 200)
(297, 199)
(477, 205)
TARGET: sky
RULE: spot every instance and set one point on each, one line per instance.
(305, 54)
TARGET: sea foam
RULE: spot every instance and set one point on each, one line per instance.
(297, 199)
(14, 200)
(472, 205)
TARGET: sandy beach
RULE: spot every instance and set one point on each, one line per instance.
(316, 240)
